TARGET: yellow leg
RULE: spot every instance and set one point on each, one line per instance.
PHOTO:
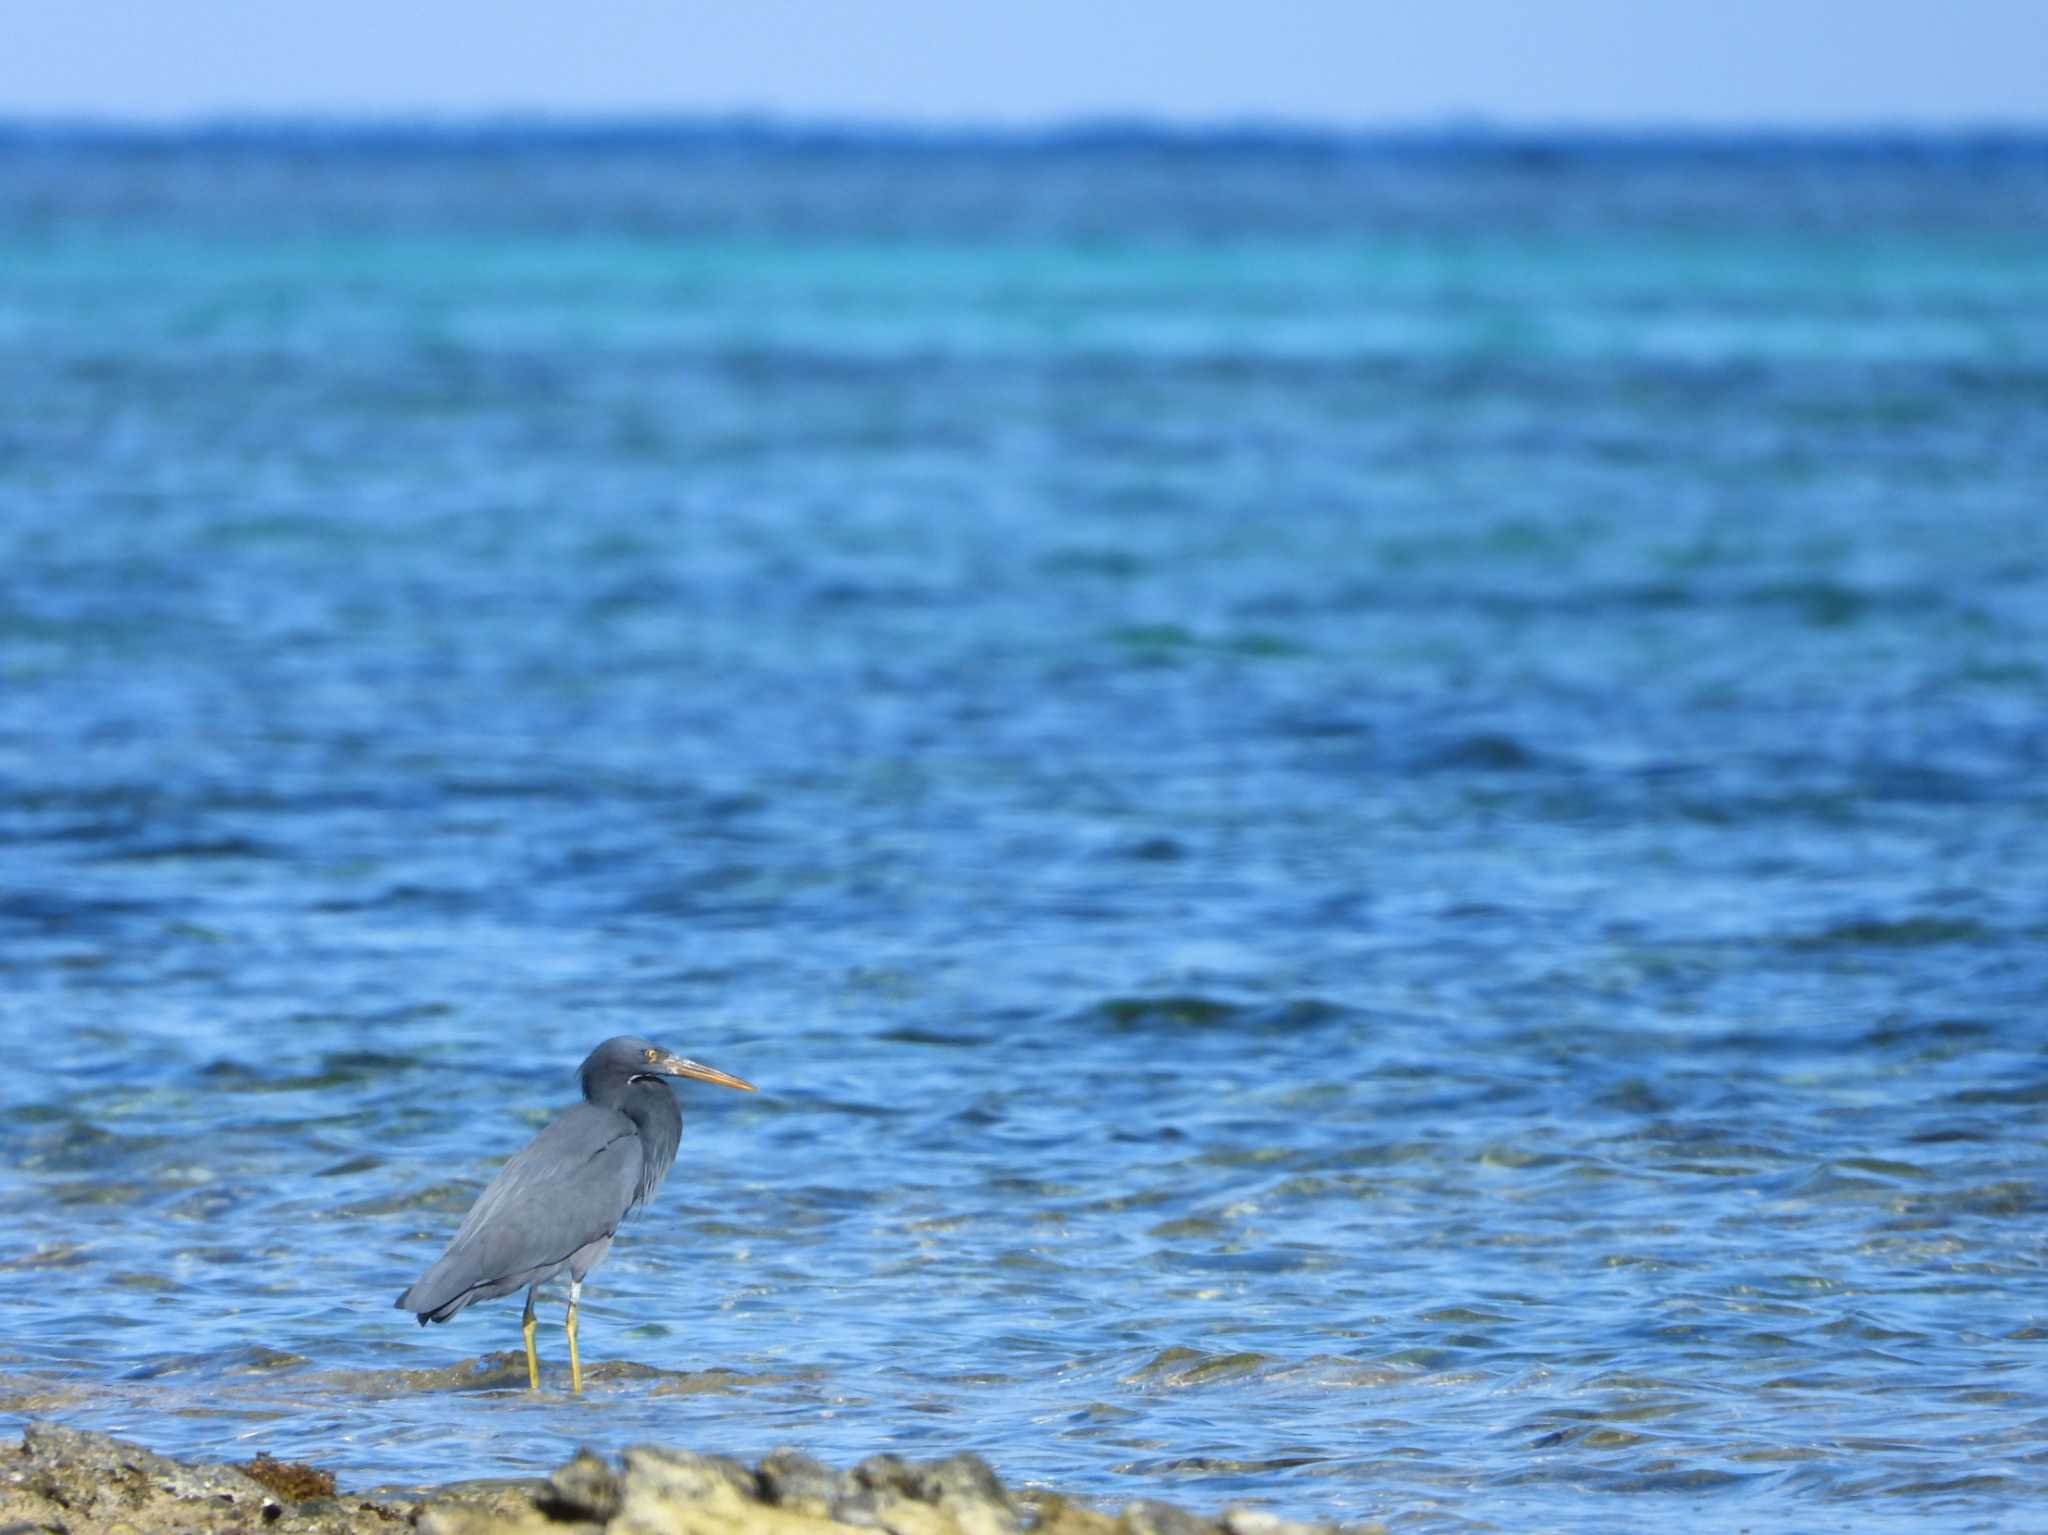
(575, 1364)
(526, 1327)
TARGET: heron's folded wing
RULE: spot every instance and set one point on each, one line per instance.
(563, 1190)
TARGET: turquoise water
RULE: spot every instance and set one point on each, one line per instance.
(1376, 820)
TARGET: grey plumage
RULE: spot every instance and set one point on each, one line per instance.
(557, 1204)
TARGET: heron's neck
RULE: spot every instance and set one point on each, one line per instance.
(649, 1105)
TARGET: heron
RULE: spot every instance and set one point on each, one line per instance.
(557, 1204)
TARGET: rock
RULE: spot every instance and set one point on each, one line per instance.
(1149, 1518)
(497, 1511)
(691, 1478)
(956, 1496)
(65, 1481)
(64, 1477)
(1053, 1514)
(1256, 1521)
(792, 1480)
(969, 1494)
(586, 1491)
(115, 1467)
(70, 1481)
(673, 1492)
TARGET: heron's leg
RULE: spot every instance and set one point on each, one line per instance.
(526, 1326)
(575, 1364)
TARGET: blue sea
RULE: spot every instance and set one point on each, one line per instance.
(1374, 811)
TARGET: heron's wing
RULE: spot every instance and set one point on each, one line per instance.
(566, 1188)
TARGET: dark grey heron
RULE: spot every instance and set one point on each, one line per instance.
(558, 1202)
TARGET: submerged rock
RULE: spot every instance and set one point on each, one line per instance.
(69, 1482)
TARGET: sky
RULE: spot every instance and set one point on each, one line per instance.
(1365, 63)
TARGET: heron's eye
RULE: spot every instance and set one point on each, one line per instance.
(650, 1055)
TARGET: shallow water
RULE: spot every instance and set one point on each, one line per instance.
(1376, 823)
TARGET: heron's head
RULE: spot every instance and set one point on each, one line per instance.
(619, 1062)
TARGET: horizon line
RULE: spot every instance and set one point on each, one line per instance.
(1103, 129)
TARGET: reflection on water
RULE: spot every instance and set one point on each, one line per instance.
(1391, 865)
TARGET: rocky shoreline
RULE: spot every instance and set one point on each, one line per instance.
(67, 1481)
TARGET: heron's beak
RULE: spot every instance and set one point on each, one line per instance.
(676, 1066)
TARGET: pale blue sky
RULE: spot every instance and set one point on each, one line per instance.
(1713, 62)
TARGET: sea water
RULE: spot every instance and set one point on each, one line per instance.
(1375, 814)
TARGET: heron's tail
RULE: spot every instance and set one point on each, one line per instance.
(423, 1304)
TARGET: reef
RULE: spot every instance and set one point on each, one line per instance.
(66, 1481)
